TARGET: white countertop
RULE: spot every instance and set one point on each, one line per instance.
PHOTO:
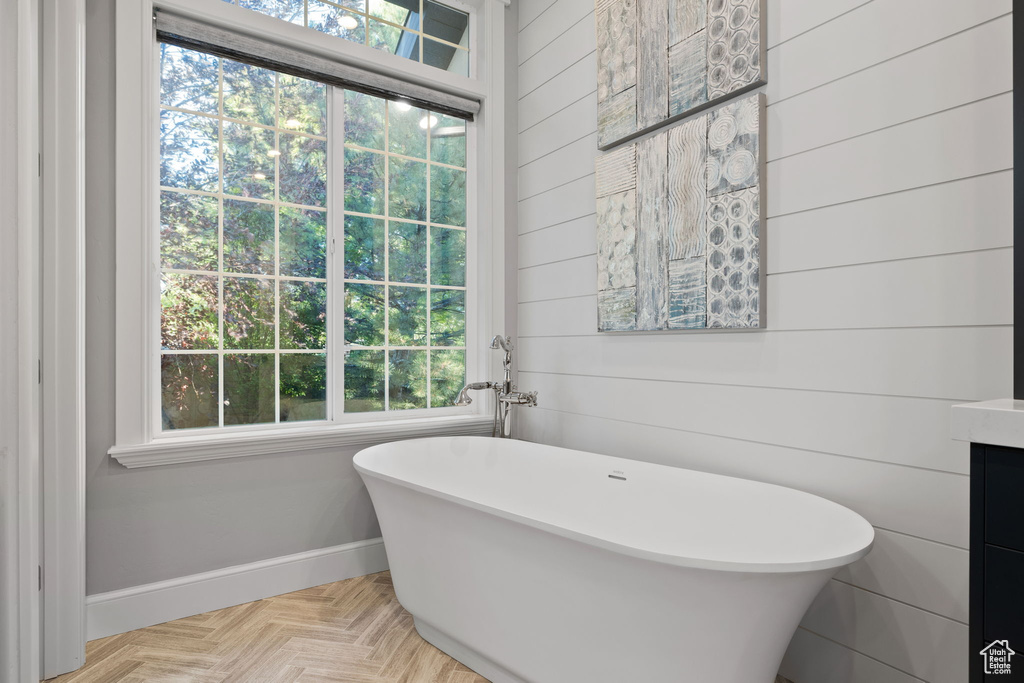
(997, 423)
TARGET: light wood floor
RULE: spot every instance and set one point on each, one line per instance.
(353, 631)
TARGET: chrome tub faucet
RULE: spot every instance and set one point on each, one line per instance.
(506, 393)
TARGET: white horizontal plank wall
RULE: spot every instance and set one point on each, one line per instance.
(889, 249)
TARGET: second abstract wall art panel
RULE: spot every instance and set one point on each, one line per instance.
(657, 60)
(679, 225)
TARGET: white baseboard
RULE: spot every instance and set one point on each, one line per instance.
(116, 612)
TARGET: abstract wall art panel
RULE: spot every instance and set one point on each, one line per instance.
(662, 60)
(679, 225)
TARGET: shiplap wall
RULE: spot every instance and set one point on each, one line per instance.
(889, 245)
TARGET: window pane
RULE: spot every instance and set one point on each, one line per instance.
(394, 40)
(396, 26)
(364, 120)
(303, 105)
(188, 391)
(261, 138)
(248, 237)
(303, 170)
(407, 131)
(364, 315)
(364, 248)
(447, 376)
(248, 313)
(303, 242)
(396, 11)
(364, 182)
(407, 316)
(248, 162)
(408, 387)
(364, 381)
(248, 93)
(448, 257)
(446, 57)
(188, 231)
(448, 141)
(447, 317)
(303, 315)
(303, 386)
(188, 311)
(407, 195)
(188, 151)
(188, 79)
(447, 196)
(250, 391)
(407, 245)
(446, 23)
(337, 22)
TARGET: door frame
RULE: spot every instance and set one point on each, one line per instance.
(62, 417)
(20, 484)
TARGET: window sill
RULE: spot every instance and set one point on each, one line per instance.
(195, 449)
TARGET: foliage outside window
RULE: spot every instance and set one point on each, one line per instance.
(421, 30)
(249, 293)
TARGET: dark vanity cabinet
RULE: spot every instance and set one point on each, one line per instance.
(997, 563)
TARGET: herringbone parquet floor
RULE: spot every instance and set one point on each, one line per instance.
(353, 631)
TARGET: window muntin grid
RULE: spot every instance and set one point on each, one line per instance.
(421, 30)
(244, 333)
(405, 253)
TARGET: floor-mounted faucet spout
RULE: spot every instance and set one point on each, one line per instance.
(504, 343)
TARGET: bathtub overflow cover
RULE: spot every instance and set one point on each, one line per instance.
(617, 474)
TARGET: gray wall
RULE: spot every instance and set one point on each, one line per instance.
(148, 525)
(889, 252)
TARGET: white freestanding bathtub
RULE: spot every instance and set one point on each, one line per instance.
(534, 563)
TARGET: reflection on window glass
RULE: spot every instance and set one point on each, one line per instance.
(405, 254)
(421, 30)
(189, 391)
(243, 232)
(249, 388)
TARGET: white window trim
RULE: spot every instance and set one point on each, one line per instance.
(136, 442)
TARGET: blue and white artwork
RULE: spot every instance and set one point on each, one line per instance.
(679, 219)
(662, 60)
(732, 147)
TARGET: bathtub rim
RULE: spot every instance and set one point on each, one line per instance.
(829, 563)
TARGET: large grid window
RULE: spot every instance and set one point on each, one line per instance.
(421, 30)
(249, 293)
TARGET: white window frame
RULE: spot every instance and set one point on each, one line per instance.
(139, 440)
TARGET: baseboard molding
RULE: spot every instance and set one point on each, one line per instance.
(116, 612)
